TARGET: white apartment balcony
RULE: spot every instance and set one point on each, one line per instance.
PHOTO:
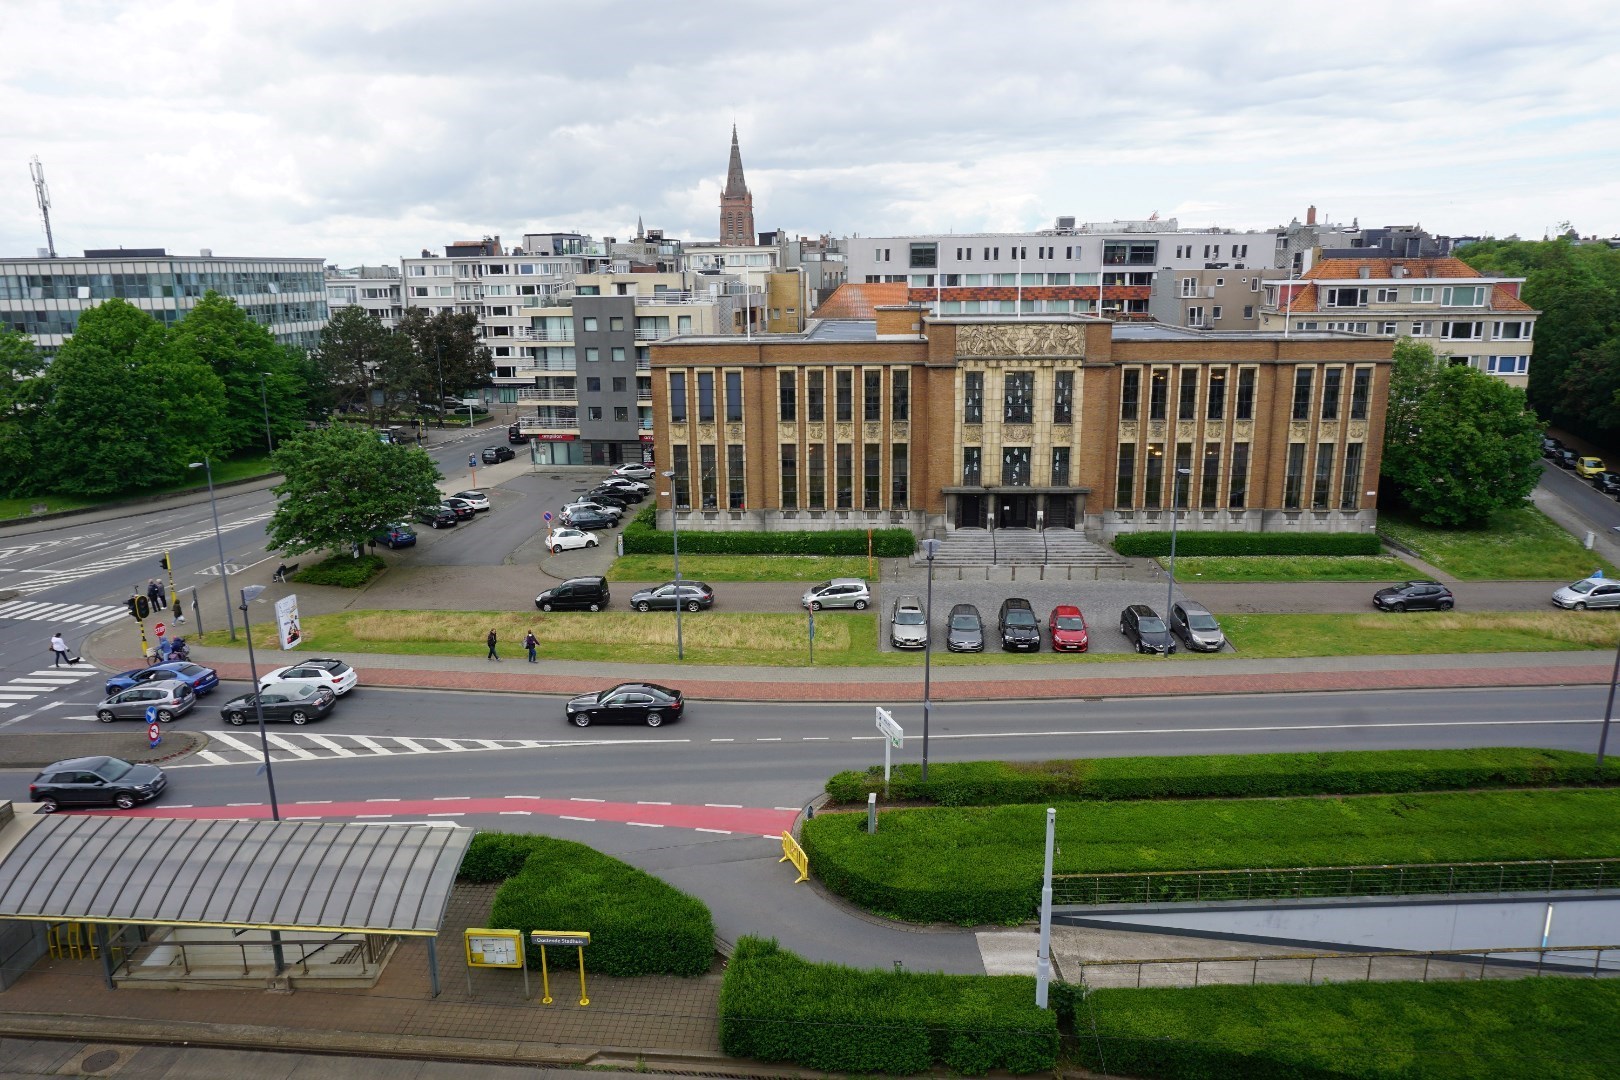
(643, 365)
(644, 425)
(549, 395)
(654, 335)
(547, 423)
(644, 393)
(529, 333)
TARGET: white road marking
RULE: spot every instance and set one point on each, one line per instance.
(370, 744)
(337, 748)
(643, 825)
(718, 832)
(524, 813)
(288, 745)
(578, 799)
(565, 817)
(649, 802)
(724, 805)
(235, 743)
(412, 745)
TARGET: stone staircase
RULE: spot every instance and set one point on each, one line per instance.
(1021, 547)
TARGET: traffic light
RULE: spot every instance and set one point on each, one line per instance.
(164, 562)
(134, 610)
(140, 607)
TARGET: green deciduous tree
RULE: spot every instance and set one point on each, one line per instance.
(446, 343)
(21, 404)
(220, 334)
(342, 485)
(358, 355)
(1458, 444)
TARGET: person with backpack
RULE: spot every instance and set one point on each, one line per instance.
(491, 642)
(531, 643)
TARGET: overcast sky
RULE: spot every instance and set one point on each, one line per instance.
(363, 132)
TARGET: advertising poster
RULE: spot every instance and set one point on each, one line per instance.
(287, 620)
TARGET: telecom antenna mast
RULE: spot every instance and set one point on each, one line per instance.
(42, 195)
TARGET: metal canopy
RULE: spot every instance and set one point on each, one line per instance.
(263, 875)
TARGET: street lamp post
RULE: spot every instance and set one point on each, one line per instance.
(1170, 597)
(264, 399)
(249, 593)
(675, 528)
(930, 547)
(219, 541)
(1608, 714)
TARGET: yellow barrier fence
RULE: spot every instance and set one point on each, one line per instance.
(793, 853)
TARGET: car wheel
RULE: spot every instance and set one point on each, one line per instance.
(165, 716)
(105, 716)
(556, 549)
(124, 801)
(692, 605)
(300, 717)
(643, 606)
(236, 718)
(860, 605)
(47, 805)
(1580, 605)
(1445, 605)
(1397, 606)
(815, 605)
(654, 719)
(581, 719)
(545, 607)
(596, 607)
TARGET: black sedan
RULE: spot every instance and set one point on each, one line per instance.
(965, 631)
(588, 520)
(618, 491)
(627, 703)
(461, 508)
(1414, 596)
(494, 455)
(437, 517)
(605, 496)
(96, 781)
(298, 703)
(693, 596)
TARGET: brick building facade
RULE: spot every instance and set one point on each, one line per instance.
(1054, 421)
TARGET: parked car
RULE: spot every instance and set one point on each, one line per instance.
(575, 594)
(635, 487)
(627, 703)
(612, 498)
(1604, 481)
(397, 535)
(494, 455)
(588, 519)
(1020, 630)
(1566, 459)
(296, 703)
(1145, 631)
(318, 671)
(1067, 629)
(202, 680)
(1551, 447)
(437, 517)
(1592, 592)
(693, 596)
(1192, 623)
(1589, 466)
(478, 500)
(846, 592)
(1414, 596)
(908, 626)
(567, 539)
(170, 697)
(456, 405)
(614, 512)
(463, 509)
(96, 781)
(514, 434)
(964, 630)
(634, 470)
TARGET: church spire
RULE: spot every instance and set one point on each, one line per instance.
(736, 202)
(735, 184)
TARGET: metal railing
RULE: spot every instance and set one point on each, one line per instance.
(643, 365)
(548, 395)
(1180, 886)
(548, 423)
(530, 333)
(643, 334)
(357, 950)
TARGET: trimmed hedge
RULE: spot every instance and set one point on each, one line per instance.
(1195, 542)
(344, 571)
(1343, 772)
(638, 924)
(1520, 1029)
(775, 1006)
(641, 537)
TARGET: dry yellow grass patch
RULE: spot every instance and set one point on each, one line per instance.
(712, 630)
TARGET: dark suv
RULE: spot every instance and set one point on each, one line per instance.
(494, 455)
(1145, 631)
(575, 594)
(1414, 596)
(96, 781)
(1020, 629)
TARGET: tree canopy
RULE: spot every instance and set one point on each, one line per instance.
(21, 403)
(342, 484)
(258, 374)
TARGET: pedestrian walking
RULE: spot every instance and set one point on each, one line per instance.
(59, 647)
(491, 641)
(531, 643)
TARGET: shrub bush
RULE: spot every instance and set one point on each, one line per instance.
(344, 571)
(775, 1006)
(1194, 542)
(642, 537)
(1343, 772)
(638, 924)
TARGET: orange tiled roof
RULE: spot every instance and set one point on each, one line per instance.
(1304, 299)
(853, 300)
(1379, 269)
(1503, 300)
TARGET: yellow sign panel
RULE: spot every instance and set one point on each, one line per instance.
(494, 948)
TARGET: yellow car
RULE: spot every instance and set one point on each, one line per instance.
(1590, 466)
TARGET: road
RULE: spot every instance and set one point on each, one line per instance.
(1599, 509)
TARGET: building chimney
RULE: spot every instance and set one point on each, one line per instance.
(1310, 215)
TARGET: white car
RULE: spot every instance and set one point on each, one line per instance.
(634, 470)
(318, 671)
(620, 483)
(560, 540)
(476, 499)
(613, 512)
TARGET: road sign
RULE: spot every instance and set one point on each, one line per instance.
(472, 461)
(158, 629)
(154, 734)
(895, 733)
(547, 515)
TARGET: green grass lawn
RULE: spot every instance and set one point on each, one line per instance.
(1291, 568)
(806, 568)
(1518, 544)
(1380, 633)
(239, 468)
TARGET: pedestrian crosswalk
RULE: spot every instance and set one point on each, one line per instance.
(25, 688)
(66, 614)
(243, 748)
(141, 551)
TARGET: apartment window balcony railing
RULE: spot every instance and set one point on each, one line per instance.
(549, 423)
(643, 365)
(1197, 292)
(528, 333)
(548, 395)
(554, 365)
(643, 395)
(644, 425)
(654, 335)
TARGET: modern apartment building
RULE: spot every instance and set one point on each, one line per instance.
(43, 297)
(1210, 299)
(374, 288)
(1106, 268)
(1469, 318)
(1044, 421)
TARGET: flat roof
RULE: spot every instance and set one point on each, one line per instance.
(266, 875)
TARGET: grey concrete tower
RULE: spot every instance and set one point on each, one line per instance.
(736, 203)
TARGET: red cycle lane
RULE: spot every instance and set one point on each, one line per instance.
(713, 819)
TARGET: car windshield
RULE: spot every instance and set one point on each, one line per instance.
(1020, 617)
(908, 618)
(190, 669)
(964, 622)
(824, 586)
(114, 769)
(1071, 622)
(1154, 625)
(1199, 621)
(1583, 587)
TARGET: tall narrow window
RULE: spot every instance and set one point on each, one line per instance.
(1018, 401)
(971, 457)
(1217, 394)
(1125, 488)
(677, 397)
(1130, 394)
(815, 396)
(734, 404)
(788, 395)
(1302, 393)
(899, 480)
(705, 397)
(1181, 486)
(973, 398)
(790, 476)
(1294, 477)
(818, 477)
(1187, 406)
(735, 478)
(1152, 488)
(872, 396)
(1063, 397)
(680, 491)
(1015, 466)
(872, 475)
(1360, 391)
(900, 395)
(706, 477)
(1158, 394)
(1332, 380)
(844, 382)
(1350, 485)
(1323, 477)
(1244, 409)
(1209, 494)
(844, 474)
(1240, 476)
(1060, 466)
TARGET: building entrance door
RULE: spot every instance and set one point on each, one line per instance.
(1015, 511)
(970, 511)
(1059, 512)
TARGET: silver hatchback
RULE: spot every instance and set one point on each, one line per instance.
(908, 627)
(170, 698)
(844, 592)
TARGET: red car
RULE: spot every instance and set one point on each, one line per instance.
(1067, 628)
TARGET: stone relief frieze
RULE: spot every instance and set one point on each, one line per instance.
(1034, 339)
